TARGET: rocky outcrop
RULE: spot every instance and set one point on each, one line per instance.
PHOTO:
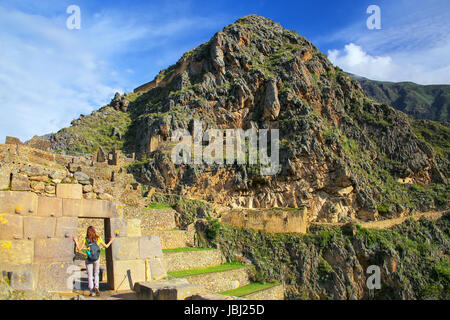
(342, 155)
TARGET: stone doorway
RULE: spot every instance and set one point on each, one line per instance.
(102, 226)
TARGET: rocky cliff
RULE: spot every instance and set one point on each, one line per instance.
(342, 154)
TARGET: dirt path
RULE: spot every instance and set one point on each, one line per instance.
(389, 223)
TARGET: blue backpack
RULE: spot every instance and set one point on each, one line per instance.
(93, 251)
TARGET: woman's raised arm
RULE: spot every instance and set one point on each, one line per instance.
(109, 243)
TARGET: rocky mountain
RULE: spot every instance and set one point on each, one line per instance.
(424, 102)
(342, 154)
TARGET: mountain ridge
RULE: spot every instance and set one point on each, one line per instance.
(343, 155)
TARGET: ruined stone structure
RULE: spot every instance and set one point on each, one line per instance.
(274, 221)
(37, 248)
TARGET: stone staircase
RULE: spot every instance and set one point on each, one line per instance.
(193, 273)
(203, 274)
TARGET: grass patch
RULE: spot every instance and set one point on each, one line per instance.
(159, 205)
(253, 287)
(187, 249)
(194, 272)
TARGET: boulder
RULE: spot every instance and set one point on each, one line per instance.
(82, 178)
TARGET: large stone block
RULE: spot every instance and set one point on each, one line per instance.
(38, 227)
(117, 227)
(11, 226)
(53, 250)
(125, 249)
(69, 191)
(134, 228)
(16, 252)
(20, 182)
(66, 227)
(157, 268)
(23, 203)
(127, 273)
(100, 209)
(71, 207)
(55, 277)
(150, 247)
(173, 289)
(49, 207)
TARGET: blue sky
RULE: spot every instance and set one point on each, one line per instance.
(49, 74)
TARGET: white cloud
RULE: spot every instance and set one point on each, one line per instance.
(413, 44)
(49, 74)
(356, 61)
(429, 66)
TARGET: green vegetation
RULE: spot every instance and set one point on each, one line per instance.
(96, 130)
(213, 229)
(158, 205)
(193, 272)
(421, 102)
(435, 134)
(188, 209)
(311, 264)
(251, 288)
(187, 249)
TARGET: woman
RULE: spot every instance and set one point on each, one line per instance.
(93, 242)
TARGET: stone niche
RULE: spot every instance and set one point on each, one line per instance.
(37, 250)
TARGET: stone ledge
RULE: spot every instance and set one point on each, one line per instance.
(272, 293)
(222, 280)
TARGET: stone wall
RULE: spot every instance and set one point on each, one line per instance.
(272, 293)
(273, 221)
(152, 219)
(186, 260)
(223, 280)
(23, 168)
(36, 240)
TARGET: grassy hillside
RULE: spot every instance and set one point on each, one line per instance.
(429, 102)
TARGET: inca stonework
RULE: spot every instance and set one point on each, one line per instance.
(360, 184)
(36, 236)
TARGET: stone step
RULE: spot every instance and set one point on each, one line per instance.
(192, 258)
(256, 291)
(167, 289)
(228, 276)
